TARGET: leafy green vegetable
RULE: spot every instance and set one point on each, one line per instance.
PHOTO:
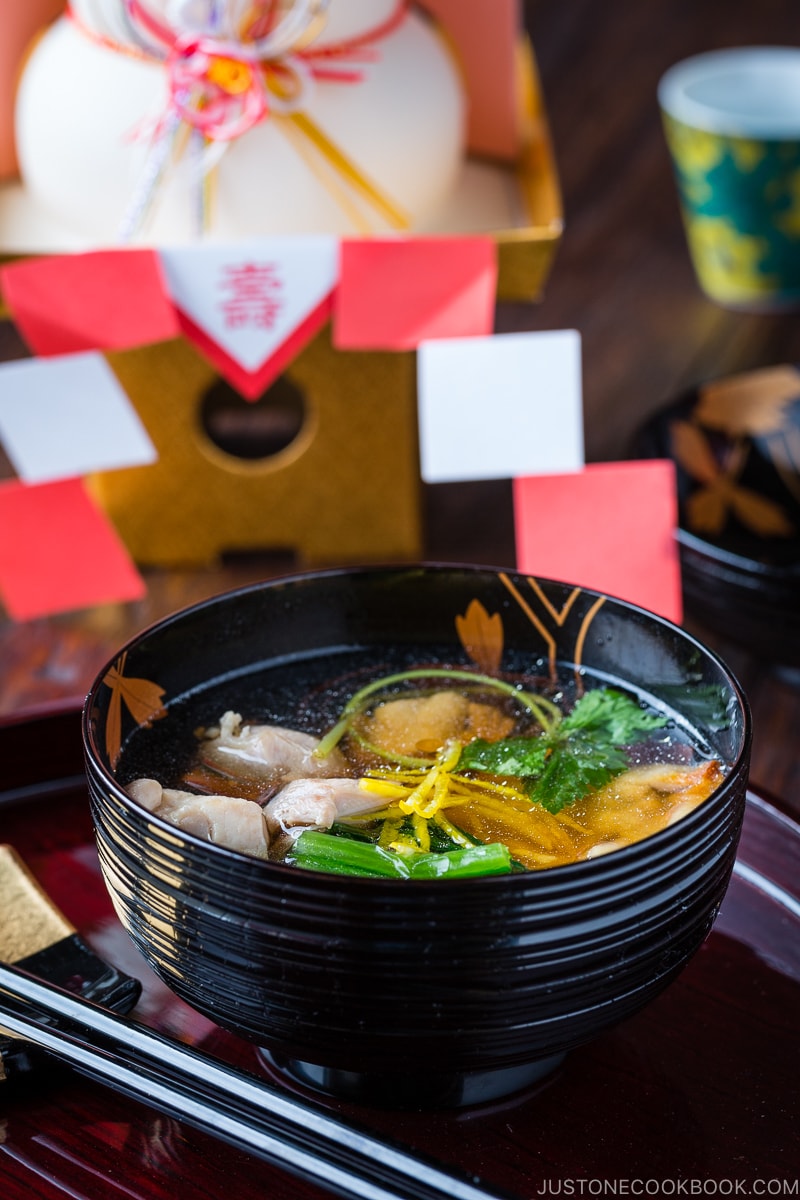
(512, 756)
(576, 766)
(492, 858)
(611, 714)
(341, 856)
(580, 754)
(337, 855)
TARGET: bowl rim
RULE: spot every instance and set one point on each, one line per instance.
(752, 571)
(609, 865)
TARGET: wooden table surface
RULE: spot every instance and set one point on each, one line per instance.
(622, 278)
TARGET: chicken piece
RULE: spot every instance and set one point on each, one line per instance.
(422, 725)
(317, 804)
(227, 821)
(270, 750)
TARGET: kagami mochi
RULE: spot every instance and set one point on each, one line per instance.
(160, 120)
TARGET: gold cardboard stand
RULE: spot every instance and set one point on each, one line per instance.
(346, 488)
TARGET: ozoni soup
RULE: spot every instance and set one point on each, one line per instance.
(418, 770)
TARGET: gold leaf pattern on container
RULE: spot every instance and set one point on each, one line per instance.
(760, 514)
(143, 700)
(481, 635)
(720, 493)
(558, 616)
(754, 403)
(707, 509)
(691, 450)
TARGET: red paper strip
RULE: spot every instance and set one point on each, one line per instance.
(486, 37)
(252, 384)
(610, 527)
(103, 300)
(395, 293)
(59, 552)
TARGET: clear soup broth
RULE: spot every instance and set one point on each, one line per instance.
(408, 767)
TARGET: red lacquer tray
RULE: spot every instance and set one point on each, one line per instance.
(697, 1094)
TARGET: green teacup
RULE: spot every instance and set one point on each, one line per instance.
(732, 123)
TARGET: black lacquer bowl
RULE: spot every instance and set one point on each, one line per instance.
(735, 443)
(408, 992)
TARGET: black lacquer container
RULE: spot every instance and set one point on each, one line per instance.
(405, 992)
(735, 443)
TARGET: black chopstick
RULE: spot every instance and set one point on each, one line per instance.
(232, 1105)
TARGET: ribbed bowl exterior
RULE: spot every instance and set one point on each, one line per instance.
(352, 973)
(748, 602)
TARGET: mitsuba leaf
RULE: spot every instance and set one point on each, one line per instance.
(575, 768)
(581, 755)
(512, 756)
(612, 713)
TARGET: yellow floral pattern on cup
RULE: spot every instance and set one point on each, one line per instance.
(728, 262)
(789, 219)
(740, 199)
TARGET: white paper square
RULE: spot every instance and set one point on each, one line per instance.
(500, 407)
(67, 416)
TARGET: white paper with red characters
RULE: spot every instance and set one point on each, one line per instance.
(252, 306)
